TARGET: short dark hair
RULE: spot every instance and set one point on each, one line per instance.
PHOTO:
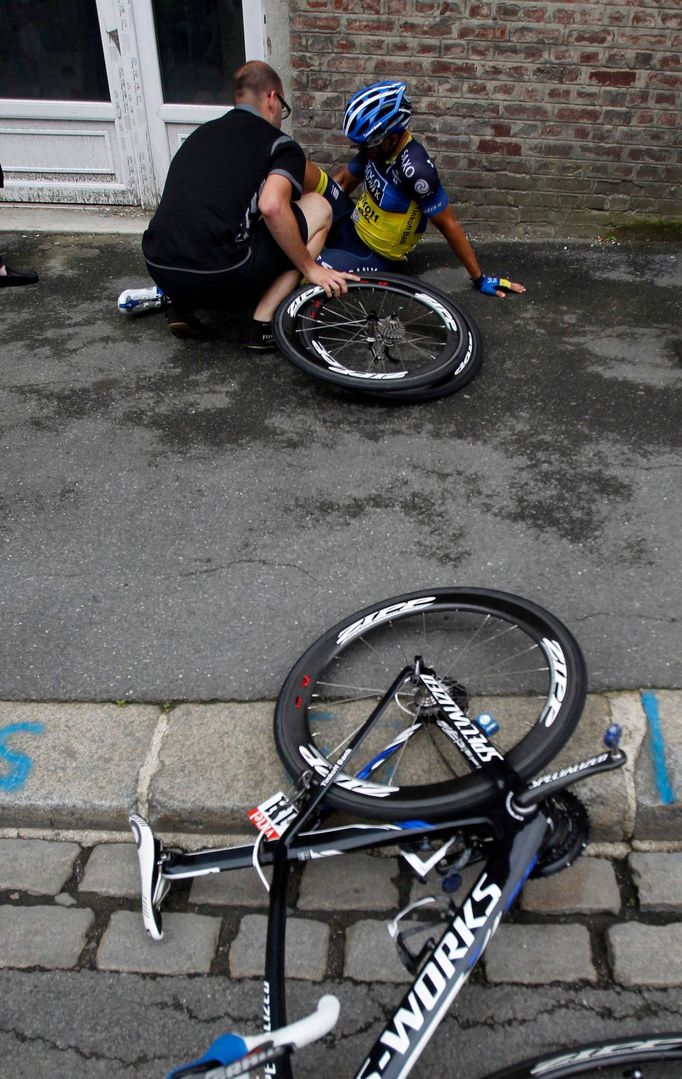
(255, 77)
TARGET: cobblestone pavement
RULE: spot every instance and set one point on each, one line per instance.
(604, 927)
(65, 906)
(593, 951)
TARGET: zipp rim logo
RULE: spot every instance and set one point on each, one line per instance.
(384, 614)
(370, 376)
(439, 309)
(438, 982)
(294, 306)
(559, 674)
(601, 1053)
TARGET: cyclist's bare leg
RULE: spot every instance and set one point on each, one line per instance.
(318, 216)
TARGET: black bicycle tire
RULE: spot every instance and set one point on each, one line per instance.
(536, 748)
(615, 1052)
(287, 332)
(462, 374)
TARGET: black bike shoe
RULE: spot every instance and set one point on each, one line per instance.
(261, 338)
(13, 278)
(182, 323)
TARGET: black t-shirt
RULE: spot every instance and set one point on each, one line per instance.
(210, 199)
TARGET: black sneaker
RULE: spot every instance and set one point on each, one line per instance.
(182, 323)
(14, 278)
(261, 338)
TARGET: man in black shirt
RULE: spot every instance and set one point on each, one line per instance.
(233, 226)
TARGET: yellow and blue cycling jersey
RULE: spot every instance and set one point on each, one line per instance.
(397, 199)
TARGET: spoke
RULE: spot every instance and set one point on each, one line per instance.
(316, 323)
(364, 690)
(506, 660)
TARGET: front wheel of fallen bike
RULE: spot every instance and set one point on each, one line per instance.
(649, 1056)
(494, 652)
(388, 334)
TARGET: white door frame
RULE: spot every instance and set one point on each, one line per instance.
(169, 125)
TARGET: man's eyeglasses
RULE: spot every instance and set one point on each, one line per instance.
(286, 109)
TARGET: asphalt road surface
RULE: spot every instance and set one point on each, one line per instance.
(181, 519)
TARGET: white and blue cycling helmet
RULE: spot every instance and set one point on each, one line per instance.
(377, 111)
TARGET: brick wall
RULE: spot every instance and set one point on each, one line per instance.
(550, 119)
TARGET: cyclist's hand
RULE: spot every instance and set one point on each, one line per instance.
(496, 286)
(332, 281)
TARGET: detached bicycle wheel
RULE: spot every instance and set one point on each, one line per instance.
(496, 654)
(650, 1056)
(388, 332)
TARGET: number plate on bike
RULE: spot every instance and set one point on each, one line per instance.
(273, 816)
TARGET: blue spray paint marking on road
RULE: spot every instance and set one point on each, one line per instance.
(20, 764)
(663, 784)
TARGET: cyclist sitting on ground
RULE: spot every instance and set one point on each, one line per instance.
(233, 222)
(401, 192)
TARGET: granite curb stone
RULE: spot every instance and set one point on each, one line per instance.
(86, 763)
(656, 820)
(93, 763)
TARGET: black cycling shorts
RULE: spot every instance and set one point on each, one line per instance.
(263, 262)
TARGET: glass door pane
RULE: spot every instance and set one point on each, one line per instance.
(51, 51)
(200, 43)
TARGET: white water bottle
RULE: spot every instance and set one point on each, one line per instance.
(134, 301)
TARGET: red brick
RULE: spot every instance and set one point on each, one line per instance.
(368, 7)
(427, 27)
(508, 11)
(617, 16)
(572, 114)
(590, 37)
(309, 23)
(668, 119)
(482, 32)
(544, 35)
(566, 53)
(613, 78)
(519, 110)
(507, 50)
(493, 146)
(644, 18)
(369, 26)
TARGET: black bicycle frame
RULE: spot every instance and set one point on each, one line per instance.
(512, 822)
